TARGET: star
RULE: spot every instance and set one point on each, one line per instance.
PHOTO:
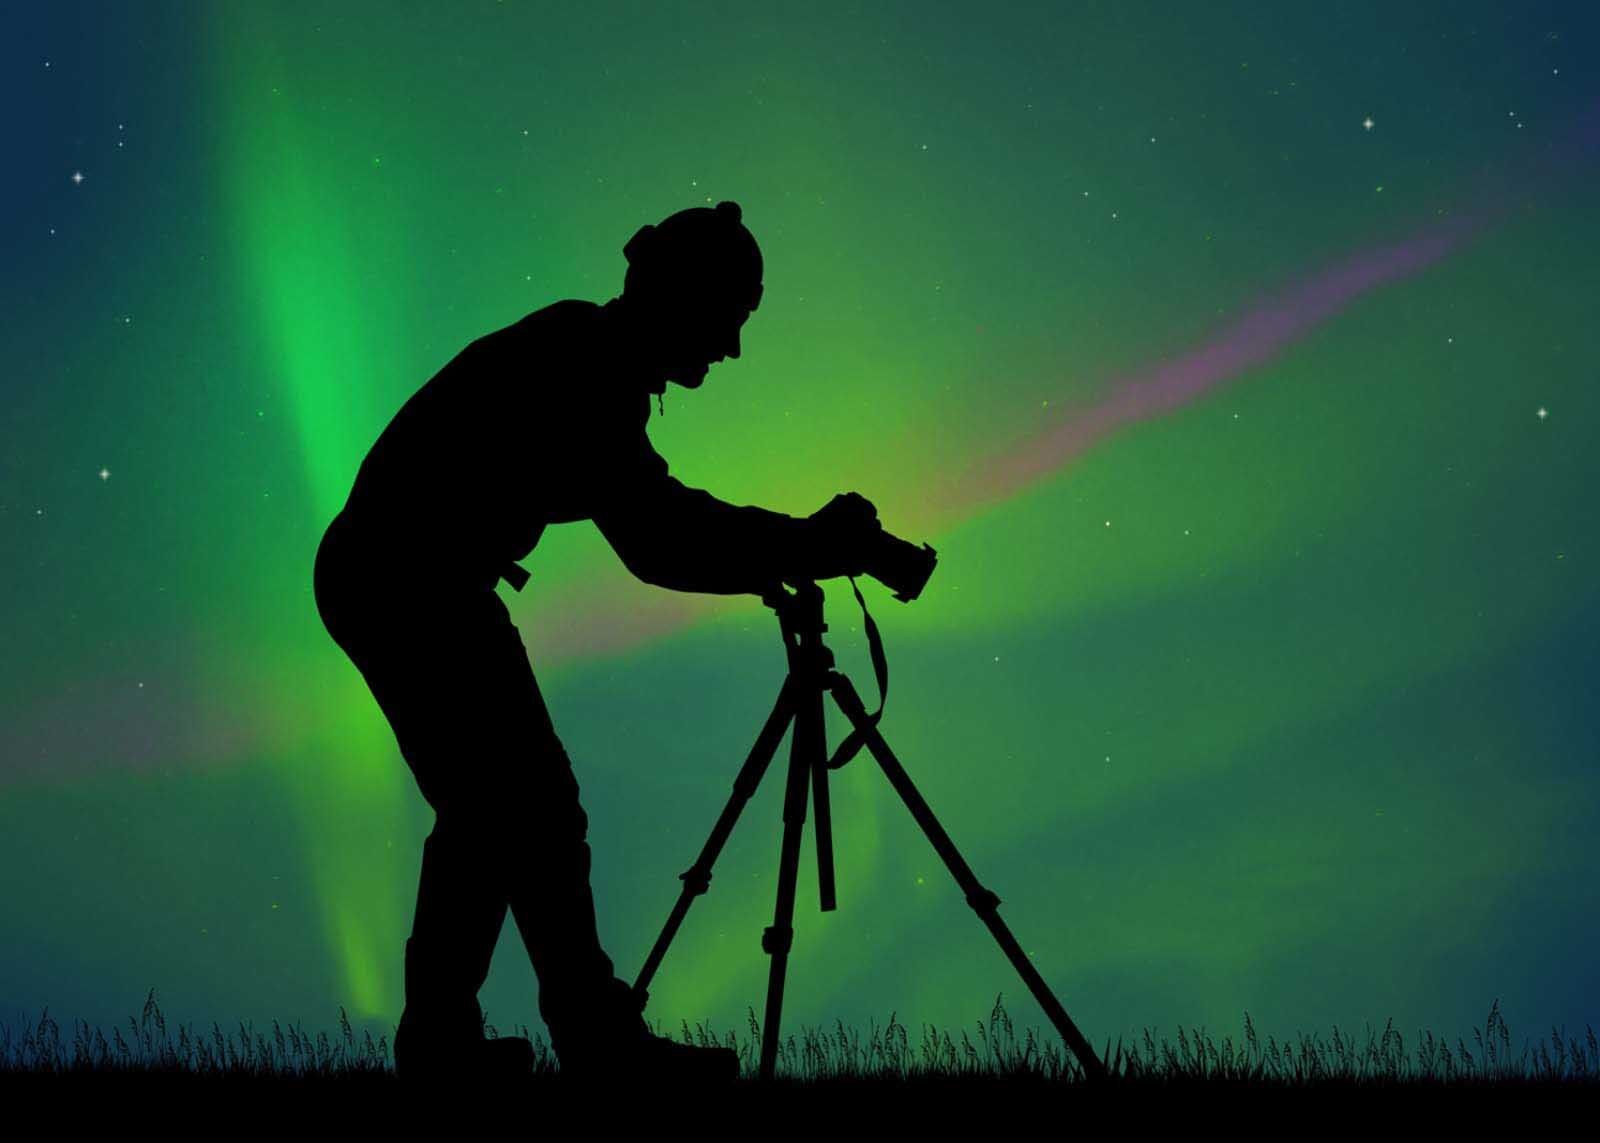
(1543, 412)
(1367, 123)
(105, 474)
(77, 176)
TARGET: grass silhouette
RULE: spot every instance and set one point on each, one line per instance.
(842, 1058)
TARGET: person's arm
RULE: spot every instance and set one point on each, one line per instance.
(685, 539)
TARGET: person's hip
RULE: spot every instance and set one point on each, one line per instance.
(361, 582)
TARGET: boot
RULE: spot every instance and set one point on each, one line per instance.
(427, 1059)
(648, 1058)
(441, 1035)
(611, 1041)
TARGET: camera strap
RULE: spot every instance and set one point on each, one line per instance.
(880, 667)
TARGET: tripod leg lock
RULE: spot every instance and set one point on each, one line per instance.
(983, 900)
(696, 880)
(775, 940)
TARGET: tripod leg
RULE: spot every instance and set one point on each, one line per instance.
(822, 831)
(984, 902)
(806, 752)
(697, 879)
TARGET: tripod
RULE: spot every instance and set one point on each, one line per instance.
(800, 700)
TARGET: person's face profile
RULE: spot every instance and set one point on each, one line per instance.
(700, 333)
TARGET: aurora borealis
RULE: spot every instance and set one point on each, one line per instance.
(1238, 362)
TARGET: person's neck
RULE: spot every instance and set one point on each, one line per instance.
(629, 344)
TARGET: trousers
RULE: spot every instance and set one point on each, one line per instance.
(450, 672)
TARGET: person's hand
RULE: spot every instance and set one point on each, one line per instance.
(847, 512)
(842, 534)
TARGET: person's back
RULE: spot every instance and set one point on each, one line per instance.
(537, 423)
(527, 426)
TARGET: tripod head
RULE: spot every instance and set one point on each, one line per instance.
(800, 616)
(790, 605)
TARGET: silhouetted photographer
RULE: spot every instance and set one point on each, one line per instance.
(539, 423)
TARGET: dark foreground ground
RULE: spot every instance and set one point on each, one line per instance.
(827, 1081)
(968, 1107)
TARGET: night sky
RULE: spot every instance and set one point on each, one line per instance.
(1239, 363)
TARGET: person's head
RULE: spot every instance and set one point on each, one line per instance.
(692, 281)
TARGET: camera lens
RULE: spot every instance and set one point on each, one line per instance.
(902, 567)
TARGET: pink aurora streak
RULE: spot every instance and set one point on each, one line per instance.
(1274, 324)
(1251, 340)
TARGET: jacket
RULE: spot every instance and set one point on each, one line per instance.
(537, 424)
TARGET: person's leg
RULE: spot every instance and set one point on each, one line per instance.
(460, 911)
(430, 665)
(581, 999)
(546, 864)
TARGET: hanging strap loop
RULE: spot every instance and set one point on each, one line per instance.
(880, 667)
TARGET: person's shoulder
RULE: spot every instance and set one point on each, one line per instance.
(569, 313)
(553, 319)
(567, 309)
